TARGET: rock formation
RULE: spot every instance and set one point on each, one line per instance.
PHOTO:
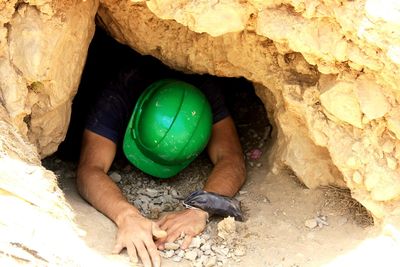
(327, 71)
(43, 46)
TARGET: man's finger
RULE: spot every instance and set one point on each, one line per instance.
(143, 254)
(174, 235)
(154, 255)
(166, 223)
(117, 248)
(157, 232)
(186, 242)
(132, 253)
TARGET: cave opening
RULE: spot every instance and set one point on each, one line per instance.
(271, 201)
(106, 57)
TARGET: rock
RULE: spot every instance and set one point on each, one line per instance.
(151, 192)
(227, 228)
(169, 253)
(219, 250)
(205, 247)
(171, 246)
(197, 241)
(175, 194)
(203, 259)
(321, 221)
(239, 251)
(311, 224)
(373, 103)
(212, 261)
(208, 252)
(177, 259)
(191, 255)
(180, 253)
(388, 146)
(116, 177)
(341, 101)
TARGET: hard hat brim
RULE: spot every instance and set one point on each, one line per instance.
(144, 163)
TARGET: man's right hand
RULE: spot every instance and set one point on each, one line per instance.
(135, 233)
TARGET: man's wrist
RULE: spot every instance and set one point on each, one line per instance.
(200, 212)
(129, 212)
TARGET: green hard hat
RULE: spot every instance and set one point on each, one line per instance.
(169, 127)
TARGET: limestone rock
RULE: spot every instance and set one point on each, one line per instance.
(372, 101)
(37, 91)
(341, 101)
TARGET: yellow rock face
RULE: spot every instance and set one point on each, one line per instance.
(43, 46)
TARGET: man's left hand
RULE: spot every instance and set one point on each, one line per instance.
(189, 222)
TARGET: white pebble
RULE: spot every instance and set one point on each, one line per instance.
(116, 177)
(171, 246)
(196, 242)
(240, 251)
(151, 192)
(177, 259)
(191, 255)
(205, 247)
(311, 224)
(212, 261)
(169, 253)
(181, 253)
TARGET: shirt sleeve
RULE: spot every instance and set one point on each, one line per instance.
(111, 113)
(211, 88)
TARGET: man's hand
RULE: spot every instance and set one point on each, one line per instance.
(135, 233)
(189, 222)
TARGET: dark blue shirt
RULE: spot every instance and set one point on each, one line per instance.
(112, 111)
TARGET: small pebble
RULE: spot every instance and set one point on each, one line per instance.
(181, 253)
(196, 242)
(151, 192)
(311, 224)
(240, 251)
(203, 259)
(116, 177)
(171, 246)
(169, 253)
(177, 259)
(212, 261)
(205, 247)
(191, 255)
(208, 252)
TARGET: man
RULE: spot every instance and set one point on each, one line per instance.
(102, 139)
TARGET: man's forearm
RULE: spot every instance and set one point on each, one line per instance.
(98, 189)
(227, 176)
